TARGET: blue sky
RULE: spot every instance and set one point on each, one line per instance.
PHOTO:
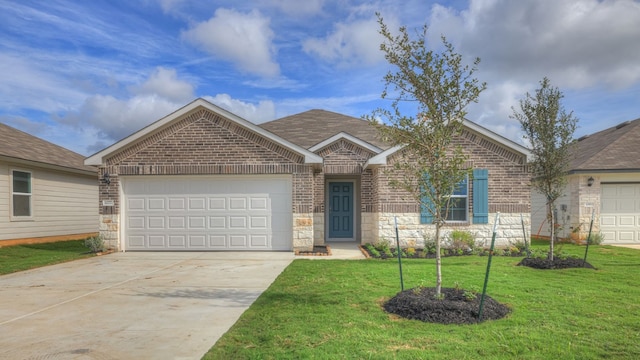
(84, 74)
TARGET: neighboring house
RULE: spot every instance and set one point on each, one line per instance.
(202, 178)
(46, 191)
(604, 176)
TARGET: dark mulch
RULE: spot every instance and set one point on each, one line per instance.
(318, 250)
(556, 263)
(421, 304)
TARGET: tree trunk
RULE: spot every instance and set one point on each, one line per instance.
(438, 262)
(553, 229)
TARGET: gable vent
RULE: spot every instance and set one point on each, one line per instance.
(623, 124)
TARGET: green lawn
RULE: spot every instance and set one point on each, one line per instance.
(326, 309)
(24, 257)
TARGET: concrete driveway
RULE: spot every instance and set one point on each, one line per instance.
(131, 305)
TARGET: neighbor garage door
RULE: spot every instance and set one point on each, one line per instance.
(207, 212)
(620, 214)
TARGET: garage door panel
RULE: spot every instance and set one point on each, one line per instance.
(259, 203)
(157, 241)
(237, 203)
(156, 204)
(259, 222)
(207, 212)
(197, 203)
(259, 241)
(217, 203)
(237, 222)
(156, 222)
(135, 204)
(197, 222)
(177, 222)
(238, 241)
(218, 242)
(177, 241)
(197, 241)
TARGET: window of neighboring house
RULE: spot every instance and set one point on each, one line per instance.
(21, 194)
(459, 204)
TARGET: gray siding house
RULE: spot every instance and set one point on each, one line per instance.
(46, 191)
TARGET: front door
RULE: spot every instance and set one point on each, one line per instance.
(341, 210)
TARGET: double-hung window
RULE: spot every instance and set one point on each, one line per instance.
(21, 194)
(459, 206)
(458, 203)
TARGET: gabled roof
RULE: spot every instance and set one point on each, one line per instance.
(381, 158)
(18, 146)
(345, 136)
(98, 158)
(315, 126)
(615, 148)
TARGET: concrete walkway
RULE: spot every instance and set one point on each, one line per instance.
(131, 305)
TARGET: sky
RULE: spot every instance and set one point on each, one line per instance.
(85, 74)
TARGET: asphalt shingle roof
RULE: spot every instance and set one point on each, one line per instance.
(20, 145)
(314, 126)
(615, 148)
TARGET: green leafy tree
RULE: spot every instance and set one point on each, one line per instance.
(431, 164)
(549, 129)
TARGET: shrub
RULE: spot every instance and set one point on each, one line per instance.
(461, 240)
(410, 252)
(596, 238)
(429, 244)
(94, 243)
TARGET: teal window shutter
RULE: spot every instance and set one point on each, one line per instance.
(480, 196)
(425, 205)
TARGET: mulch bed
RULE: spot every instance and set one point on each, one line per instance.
(318, 250)
(556, 263)
(421, 304)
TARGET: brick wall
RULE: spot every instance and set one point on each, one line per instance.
(508, 179)
(204, 143)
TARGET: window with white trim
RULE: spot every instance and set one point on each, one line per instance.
(21, 194)
(459, 203)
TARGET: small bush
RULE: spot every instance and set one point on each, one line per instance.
(461, 240)
(429, 244)
(596, 238)
(94, 243)
(410, 252)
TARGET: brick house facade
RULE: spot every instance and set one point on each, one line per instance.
(204, 179)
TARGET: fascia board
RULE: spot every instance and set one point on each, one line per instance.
(351, 138)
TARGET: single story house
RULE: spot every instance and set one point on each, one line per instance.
(203, 178)
(603, 179)
(46, 192)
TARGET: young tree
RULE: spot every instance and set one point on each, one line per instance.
(549, 129)
(441, 87)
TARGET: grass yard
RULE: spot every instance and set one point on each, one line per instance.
(24, 257)
(331, 309)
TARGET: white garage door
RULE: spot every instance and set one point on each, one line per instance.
(207, 213)
(620, 214)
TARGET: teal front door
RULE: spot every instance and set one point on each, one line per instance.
(341, 210)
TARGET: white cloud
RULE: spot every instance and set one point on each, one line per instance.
(257, 113)
(577, 43)
(350, 44)
(165, 83)
(246, 39)
(299, 8)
